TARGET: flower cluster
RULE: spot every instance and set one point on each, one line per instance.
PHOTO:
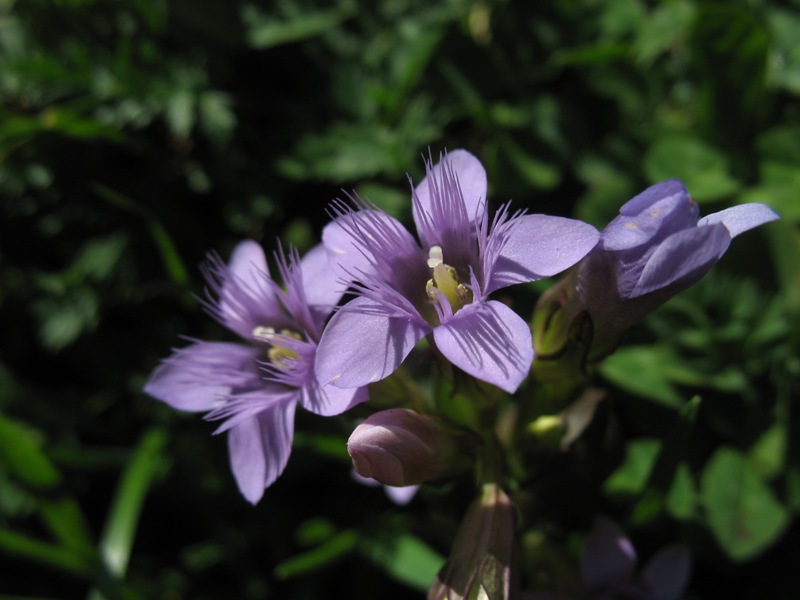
(302, 343)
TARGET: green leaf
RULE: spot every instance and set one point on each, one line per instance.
(682, 498)
(665, 28)
(632, 475)
(768, 455)
(66, 522)
(408, 560)
(268, 31)
(334, 548)
(20, 450)
(703, 169)
(742, 512)
(59, 557)
(146, 463)
(643, 371)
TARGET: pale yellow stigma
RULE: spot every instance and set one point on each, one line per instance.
(278, 355)
(445, 280)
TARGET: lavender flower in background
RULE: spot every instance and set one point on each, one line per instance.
(407, 291)
(656, 248)
(608, 567)
(255, 387)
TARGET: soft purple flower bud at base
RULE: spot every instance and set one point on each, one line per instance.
(400, 447)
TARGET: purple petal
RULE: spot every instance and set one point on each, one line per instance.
(245, 290)
(322, 285)
(364, 243)
(683, 258)
(259, 449)
(653, 194)
(668, 215)
(667, 573)
(401, 495)
(199, 377)
(608, 558)
(744, 217)
(536, 246)
(460, 168)
(329, 400)
(248, 262)
(364, 343)
(489, 341)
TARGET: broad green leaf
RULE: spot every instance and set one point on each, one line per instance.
(681, 500)
(768, 455)
(663, 30)
(535, 172)
(703, 169)
(741, 510)
(632, 475)
(644, 371)
(407, 559)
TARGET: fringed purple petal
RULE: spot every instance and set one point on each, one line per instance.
(260, 447)
(369, 243)
(199, 377)
(246, 405)
(529, 247)
(739, 219)
(683, 258)
(448, 203)
(242, 294)
(608, 559)
(329, 400)
(488, 341)
(667, 573)
(456, 182)
(365, 342)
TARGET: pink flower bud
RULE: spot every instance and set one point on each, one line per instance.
(400, 447)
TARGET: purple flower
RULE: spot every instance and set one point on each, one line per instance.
(441, 285)
(255, 387)
(608, 567)
(654, 249)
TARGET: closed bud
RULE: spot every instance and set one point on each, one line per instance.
(400, 447)
(482, 561)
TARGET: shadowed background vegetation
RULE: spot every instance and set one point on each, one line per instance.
(136, 136)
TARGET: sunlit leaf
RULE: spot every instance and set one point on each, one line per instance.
(742, 511)
(633, 473)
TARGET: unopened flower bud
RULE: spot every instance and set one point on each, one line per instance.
(481, 561)
(400, 447)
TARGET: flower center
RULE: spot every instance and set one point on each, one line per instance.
(445, 281)
(279, 355)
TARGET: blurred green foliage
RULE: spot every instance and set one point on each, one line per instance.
(136, 136)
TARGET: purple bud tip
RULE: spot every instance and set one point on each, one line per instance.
(400, 447)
